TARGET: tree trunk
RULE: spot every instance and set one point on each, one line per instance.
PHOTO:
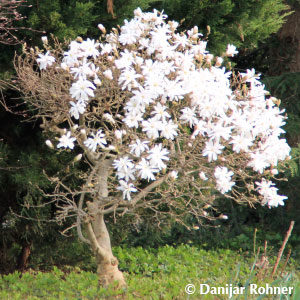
(107, 263)
(291, 31)
(24, 256)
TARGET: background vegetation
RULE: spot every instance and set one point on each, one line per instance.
(152, 274)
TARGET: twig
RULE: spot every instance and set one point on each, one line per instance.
(287, 236)
(254, 241)
(286, 261)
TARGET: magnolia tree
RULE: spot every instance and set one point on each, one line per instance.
(159, 123)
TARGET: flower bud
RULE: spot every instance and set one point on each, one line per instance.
(44, 40)
(97, 81)
(118, 134)
(138, 12)
(224, 217)
(219, 61)
(102, 28)
(109, 118)
(64, 66)
(49, 144)
(78, 157)
(174, 174)
(202, 176)
(108, 74)
(209, 58)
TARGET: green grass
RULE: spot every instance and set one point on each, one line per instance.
(150, 274)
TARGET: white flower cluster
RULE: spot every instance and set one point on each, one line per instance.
(269, 192)
(223, 179)
(161, 68)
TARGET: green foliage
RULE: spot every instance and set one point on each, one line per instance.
(64, 19)
(154, 274)
(286, 87)
(243, 23)
(122, 10)
(64, 252)
(72, 18)
(24, 217)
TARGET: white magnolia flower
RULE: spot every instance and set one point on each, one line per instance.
(231, 50)
(219, 61)
(156, 156)
(89, 48)
(160, 112)
(82, 71)
(240, 143)
(66, 141)
(127, 189)
(258, 162)
(126, 173)
(219, 130)
(97, 140)
(146, 170)
(133, 118)
(169, 130)
(126, 60)
(223, 179)
(82, 89)
(128, 78)
(212, 150)
(106, 48)
(123, 164)
(45, 60)
(138, 147)
(77, 109)
(152, 127)
(188, 116)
